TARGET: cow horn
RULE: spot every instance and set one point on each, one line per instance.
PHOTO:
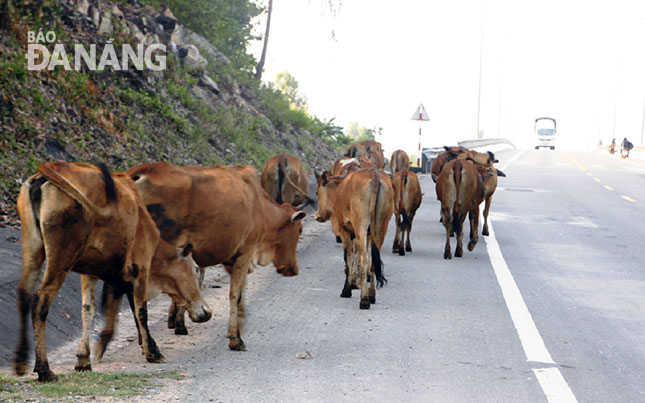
(500, 173)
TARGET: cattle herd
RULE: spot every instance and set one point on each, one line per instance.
(154, 228)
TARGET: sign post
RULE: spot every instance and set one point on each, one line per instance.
(420, 114)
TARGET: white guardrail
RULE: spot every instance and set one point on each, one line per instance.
(429, 154)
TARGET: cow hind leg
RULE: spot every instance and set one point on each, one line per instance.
(33, 258)
(52, 281)
(447, 223)
(347, 287)
(88, 288)
(474, 228)
(459, 250)
(110, 307)
(364, 267)
(408, 245)
(395, 244)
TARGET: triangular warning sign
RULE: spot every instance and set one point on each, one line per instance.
(420, 113)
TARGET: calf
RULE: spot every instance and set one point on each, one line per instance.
(407, 199)
(399, 161)
(228, 218)
(361, 205)
(460, 190)
(80, 218)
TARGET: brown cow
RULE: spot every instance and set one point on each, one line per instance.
(227, 217)
(442, 159)
(370, 149)
(342, 167)
(362, 205)
(399, 161)
(82, 219)
(285, 180)
(407, 199)
(484, 163)
(460, 190)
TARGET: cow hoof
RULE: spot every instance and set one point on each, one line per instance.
(47, 376)
(155, 358)
(236, 344)
(373, 299)
(459, 253)
(346, 293)
(83, 368)
(20, 360)
(485, 232)
(338, 239)
(471, 245)
(182, 331)
(171, 324)
(395, 250)
(447, 254)
(401, 252)
(365, 303)
(408, 248)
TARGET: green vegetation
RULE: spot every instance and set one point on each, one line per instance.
(83, 385)
(224, 23)
(125, 119)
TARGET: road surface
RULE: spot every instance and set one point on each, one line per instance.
(549, 308)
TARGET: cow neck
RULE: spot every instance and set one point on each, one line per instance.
(273, 215)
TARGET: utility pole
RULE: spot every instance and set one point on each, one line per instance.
(481, 57)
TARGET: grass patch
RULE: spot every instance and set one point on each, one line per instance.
(83, 384)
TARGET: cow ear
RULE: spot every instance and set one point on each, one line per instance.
(188, 249)
(324, 178)
(298, 215)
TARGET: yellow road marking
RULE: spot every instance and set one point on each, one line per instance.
(627, 198)
(576, 162)
(596, 179)
(608, 187)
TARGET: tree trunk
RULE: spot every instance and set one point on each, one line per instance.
(260, 67)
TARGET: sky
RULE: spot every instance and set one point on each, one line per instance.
(374, 62)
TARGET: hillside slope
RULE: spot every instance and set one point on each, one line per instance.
(196, 111)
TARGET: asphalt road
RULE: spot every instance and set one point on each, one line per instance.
(568, 226)
(441, 329)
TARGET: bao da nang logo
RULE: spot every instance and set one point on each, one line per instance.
(140, 57)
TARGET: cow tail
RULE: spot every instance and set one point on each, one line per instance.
(402, 202)
(110, 188)
(456, 217)
(376, 254)
(282, 172)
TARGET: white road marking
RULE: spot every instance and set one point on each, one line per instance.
(628, 198)
(529, 335)
(608, 187)
(550, 379)
(554, 386)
